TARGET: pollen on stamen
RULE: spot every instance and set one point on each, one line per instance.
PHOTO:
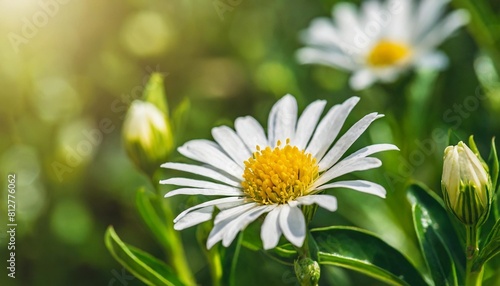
(279, 175)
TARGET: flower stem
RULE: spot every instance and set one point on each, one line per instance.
(174, 250)
(473, 276)
(307, 269)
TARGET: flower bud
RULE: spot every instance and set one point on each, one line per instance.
(307, 271)
(466, 185)
(147, 136)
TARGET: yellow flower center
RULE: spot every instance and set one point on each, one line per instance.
(387, 53)
(279, 175)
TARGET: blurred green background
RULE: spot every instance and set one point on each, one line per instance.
(69, 70)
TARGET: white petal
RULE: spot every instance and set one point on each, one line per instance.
(184, 182)
(194, 218)
(325, 57)
(402, 23)
(202, 171)
(242, 222)
(346, 141)
(293, 224)
(282, 120)
(216, 202)
(321, 32)
(371, 149)
(251, 132)
(220, 228)
(346, 18)
(217, 232)
(205, 192)
(444, 29)
(362, 79)
(325, 201)
(434, 61)
(232, 144)
(345, 167)
(429, 12)
(307, 123)
(358, 185)
(329, 127)
(270, 232)
(209, 153)
(234, 211)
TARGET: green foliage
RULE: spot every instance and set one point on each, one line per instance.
(148, 206)
(439, 242)
(142, 265)
(366, 253)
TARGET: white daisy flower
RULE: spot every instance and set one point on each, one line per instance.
(275, 174)
(382, 40)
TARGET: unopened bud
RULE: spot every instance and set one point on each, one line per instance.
(147, 136)
(466, 185)
(307, 271)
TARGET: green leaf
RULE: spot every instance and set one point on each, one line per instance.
(150, 215)
(155, 93)
(491, 248)
(142, 265)
(364, 252)
(435, 253)
(493, 165)
(438, 239)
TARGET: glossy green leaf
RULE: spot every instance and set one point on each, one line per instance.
(438, 260)
(150, 215)
(155, 93)
(142, 265)
(438, 239)
(491, 247)
(364, 252)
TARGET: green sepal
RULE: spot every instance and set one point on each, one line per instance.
(155, 93)
(493, 166)
(141, 264)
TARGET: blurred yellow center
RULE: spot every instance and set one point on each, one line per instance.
(387, 53)
(279, 175)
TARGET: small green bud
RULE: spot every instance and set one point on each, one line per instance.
(466, 185)
(307, 271)
(147, 136)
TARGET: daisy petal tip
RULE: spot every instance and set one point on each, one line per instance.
(178, 226)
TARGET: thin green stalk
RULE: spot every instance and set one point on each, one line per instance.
(307, 269)
(234, 263)
(215, 265)
(472, 278)
(173, 247)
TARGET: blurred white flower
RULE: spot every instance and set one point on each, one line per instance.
(382, 39)
(274, 174)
